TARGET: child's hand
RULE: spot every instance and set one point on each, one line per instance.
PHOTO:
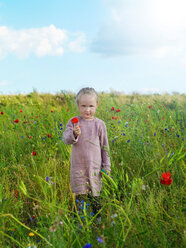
(76, 131)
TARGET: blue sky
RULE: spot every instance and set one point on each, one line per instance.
(127, 46)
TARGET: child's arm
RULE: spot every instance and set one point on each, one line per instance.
(68, 135)
(104, 154)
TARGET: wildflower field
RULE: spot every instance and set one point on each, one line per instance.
(143, 198)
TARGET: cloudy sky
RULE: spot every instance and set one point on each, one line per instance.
(122, 45)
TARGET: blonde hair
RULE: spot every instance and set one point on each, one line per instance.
(87, 90)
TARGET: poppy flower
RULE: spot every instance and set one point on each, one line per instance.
(2, 113)
(112, 109)
(37, 116)
(166, 178)
(16, 121)
(115, 118)
(34, 153)
(75, 120)
(67, 110)
(150, 106)
(118, 110)
(49, 135)
(51, 111)
(16, 193)
(164, 106)
(30, 137)
(163, 118)
(21, 111)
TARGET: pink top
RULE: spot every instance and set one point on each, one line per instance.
(88, 155)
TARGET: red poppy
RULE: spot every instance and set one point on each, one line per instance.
(52, 111)
(118, 110)
(163, 118)
(129, 119)
(115, 118)
(112, 109)
(112, 117)
(75, 120)
(2, 113)
(67, 110)
(49, 135)
(166, 178)
(37, 116)
(16, 121)
(164, 105)
(16, 193)
(150, 106)
(30, 137)
(21, 111)
(173, 129)
(34, 153)
(24, 122)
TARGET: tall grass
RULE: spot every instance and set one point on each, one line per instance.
(146, 138)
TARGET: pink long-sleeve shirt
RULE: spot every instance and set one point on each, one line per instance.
(88, 155)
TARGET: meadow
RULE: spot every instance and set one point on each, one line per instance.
(143, 199)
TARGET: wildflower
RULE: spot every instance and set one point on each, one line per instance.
(47, 179)
(164, 106)
(51, 111)
(24, 122)
(37, 116)
(163, 118)
(75, 120)
(31, 234)
(87, 246)
(128, 141)
(16, 121)
(115, 118)
(61, 124)
(118, 110)
(166, 178)
(173, 129)
(112, 109)
(100, 240)
(16, 193)
(34, 153)
(21, 111)
(154, 134)
(30, 137)
(178, 135)
(53, 228)
(2, 113)
(150, 106)
(49, 135)
(67, 110)
(112, 117)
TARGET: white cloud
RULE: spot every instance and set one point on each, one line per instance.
(40, 41)
(4, 83)
(78, 45)
(156, 28)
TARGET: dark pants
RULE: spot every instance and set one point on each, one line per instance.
(95, 202)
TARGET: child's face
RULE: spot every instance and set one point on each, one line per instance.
(87, 106)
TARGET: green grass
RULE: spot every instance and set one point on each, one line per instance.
(138, 211)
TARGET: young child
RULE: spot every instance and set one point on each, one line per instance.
(89, 139)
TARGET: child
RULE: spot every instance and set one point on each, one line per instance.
(88, 138)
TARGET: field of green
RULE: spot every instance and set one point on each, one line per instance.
(140, 207)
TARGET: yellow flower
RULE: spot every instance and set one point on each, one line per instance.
(31, 234)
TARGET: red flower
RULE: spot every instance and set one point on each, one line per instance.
(112, 117)
(163, 118)
(2, 113)
(16, 121)
(67, 110)
(129, 119)
(30, 137)
(52, 111)
(16, 193)
(24, 122)
(115, 118)
(37, 116)
(49, 135)
(112, 109)
(34, 153)
(166, 178)
(150, 106)
(21, 111)
(164, 105)
(118, 110)
(75, 120)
